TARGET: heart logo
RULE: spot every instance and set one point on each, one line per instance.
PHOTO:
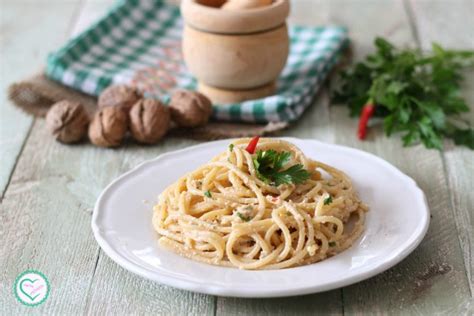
(31, 288)
(28, 284)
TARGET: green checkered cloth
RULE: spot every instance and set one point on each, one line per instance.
(138, 43)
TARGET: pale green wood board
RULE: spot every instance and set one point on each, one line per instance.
(33, 219)
(48, 170)
(452, 25)
(50, 216)
(413, 286)
(23, 49)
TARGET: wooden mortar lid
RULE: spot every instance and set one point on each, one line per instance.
(215, 20)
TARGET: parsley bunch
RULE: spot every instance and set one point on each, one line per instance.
(416, 94)
(269, 165)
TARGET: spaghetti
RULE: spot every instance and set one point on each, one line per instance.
(228, 213)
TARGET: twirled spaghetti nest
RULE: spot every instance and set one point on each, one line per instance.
(223, 213)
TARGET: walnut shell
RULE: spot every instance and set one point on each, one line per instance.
(190, 108)
(245, 4)
(67, 121)
(119, 96)
(108, 127)
(149, 121)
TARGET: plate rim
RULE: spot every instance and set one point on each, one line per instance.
(209, 289)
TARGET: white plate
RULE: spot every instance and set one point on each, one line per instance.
(395, 225)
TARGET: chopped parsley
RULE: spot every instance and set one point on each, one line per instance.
(208, 194)
(328, 200)
(332, 243)
(243, 217)
(231, 147)
(269, 166)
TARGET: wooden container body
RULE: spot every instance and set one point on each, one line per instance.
(236, 61)
(241, 53)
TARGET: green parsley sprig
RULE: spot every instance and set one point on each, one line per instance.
(269, 166)
(416, 94)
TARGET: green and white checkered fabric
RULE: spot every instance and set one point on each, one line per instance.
(138, 43)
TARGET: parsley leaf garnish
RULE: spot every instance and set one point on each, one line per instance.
(269, 165)
(231, 147)
(243, 217)
(332, 243)
(328, 200)
(417, 94)
(208, 194)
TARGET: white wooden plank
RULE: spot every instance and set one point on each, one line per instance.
(115, 291)
(46, 223)
(308, 12)
(327, 303)
(91, 12)
(450, 24)
(28, 33)
(23, 48)
(419, 284)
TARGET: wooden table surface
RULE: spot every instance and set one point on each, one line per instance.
(48, 189)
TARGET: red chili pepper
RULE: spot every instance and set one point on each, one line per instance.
(252, 144)
(365, 115)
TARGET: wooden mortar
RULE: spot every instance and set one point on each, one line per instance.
(235, 55)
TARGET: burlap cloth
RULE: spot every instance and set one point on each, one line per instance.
(35, 96)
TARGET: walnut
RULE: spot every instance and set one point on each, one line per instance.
(119, 96)
(109, 126)
(245, 4)
(67, 121)
(190, 108)
(149, 121)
